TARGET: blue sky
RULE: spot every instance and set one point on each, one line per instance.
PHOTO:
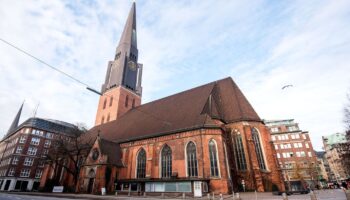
(262, 45)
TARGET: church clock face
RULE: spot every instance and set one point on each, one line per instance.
(95, 154)
(132, 65)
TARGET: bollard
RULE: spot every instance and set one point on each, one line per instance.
(284, 195)
(233, 195)
(208, 195)
(116, 193)
(144, 194)
(312, 195)
(221, 197)
(256, 195)
(183, 196)
(162, 195)
(213, 195)
(129, 194)
(237, 196)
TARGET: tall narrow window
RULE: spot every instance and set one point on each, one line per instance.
(103, 120)
(239, 152)
(191, 159)
(111, 101)
(133, 103)
(104, 103)
(108, 117)
(214, 170)
(126, 101)
(258, 149)
(141, 164)
(166, 162)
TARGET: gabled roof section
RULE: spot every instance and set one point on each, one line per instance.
(191, 109)
(15, 122)
(112, 150)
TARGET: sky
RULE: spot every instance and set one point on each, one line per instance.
(262, 45)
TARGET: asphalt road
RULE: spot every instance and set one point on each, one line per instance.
(5, 196)
(320, 194)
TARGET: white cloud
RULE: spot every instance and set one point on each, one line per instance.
(261, 45)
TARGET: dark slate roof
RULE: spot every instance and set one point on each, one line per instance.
(191, 109)
(112, 150)
(50, 125)
(320, 154)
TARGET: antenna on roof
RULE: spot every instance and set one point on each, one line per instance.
(36, 109)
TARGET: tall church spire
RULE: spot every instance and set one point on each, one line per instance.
(122, 89)
(125, 70)
(15, 122)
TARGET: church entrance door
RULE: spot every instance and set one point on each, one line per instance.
(90, 186)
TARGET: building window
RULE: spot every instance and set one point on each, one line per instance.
(49, 135)
(32, 151)
(28, 161)
(141, 164)
(38, 173)
(309, 153)
(108, 117)
(276, 146)
(47, 143)
(104, 104)
(273, 138)
(126, 101)
(307, 145)
(41, 163)
(214, 170)
(37, 132)
(45, 152)
(258, 149)
(22, 139)
(19, 149)
(111, 101)
(102, 120)
(35, 141)
(304, 136)
(274, 129)
(11, 172)
(15, 160)
(166, 159)
(278, 155)
(191, 154)
(25, 172)
(239, 152)
(133, 103)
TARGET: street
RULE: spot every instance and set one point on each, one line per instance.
(321, 195)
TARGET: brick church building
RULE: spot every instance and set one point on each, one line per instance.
(206, 139)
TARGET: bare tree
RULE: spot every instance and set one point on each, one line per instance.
(344, 148)
(67, 153)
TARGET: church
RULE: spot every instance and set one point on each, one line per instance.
(205, 139)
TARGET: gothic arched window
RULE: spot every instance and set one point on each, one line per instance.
(191, 159)
(258, 149)
(214, 170)
(104, 104)
(126, 101)
(166, 162)
(239, 152)
(141, 164)
(111, 101)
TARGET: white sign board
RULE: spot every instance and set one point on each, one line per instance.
(103, 191)
(57, 189)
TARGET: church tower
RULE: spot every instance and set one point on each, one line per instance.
(122, 89)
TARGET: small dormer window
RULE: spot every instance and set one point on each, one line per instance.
(95, 154)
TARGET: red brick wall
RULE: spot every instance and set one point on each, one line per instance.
(117, 108)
